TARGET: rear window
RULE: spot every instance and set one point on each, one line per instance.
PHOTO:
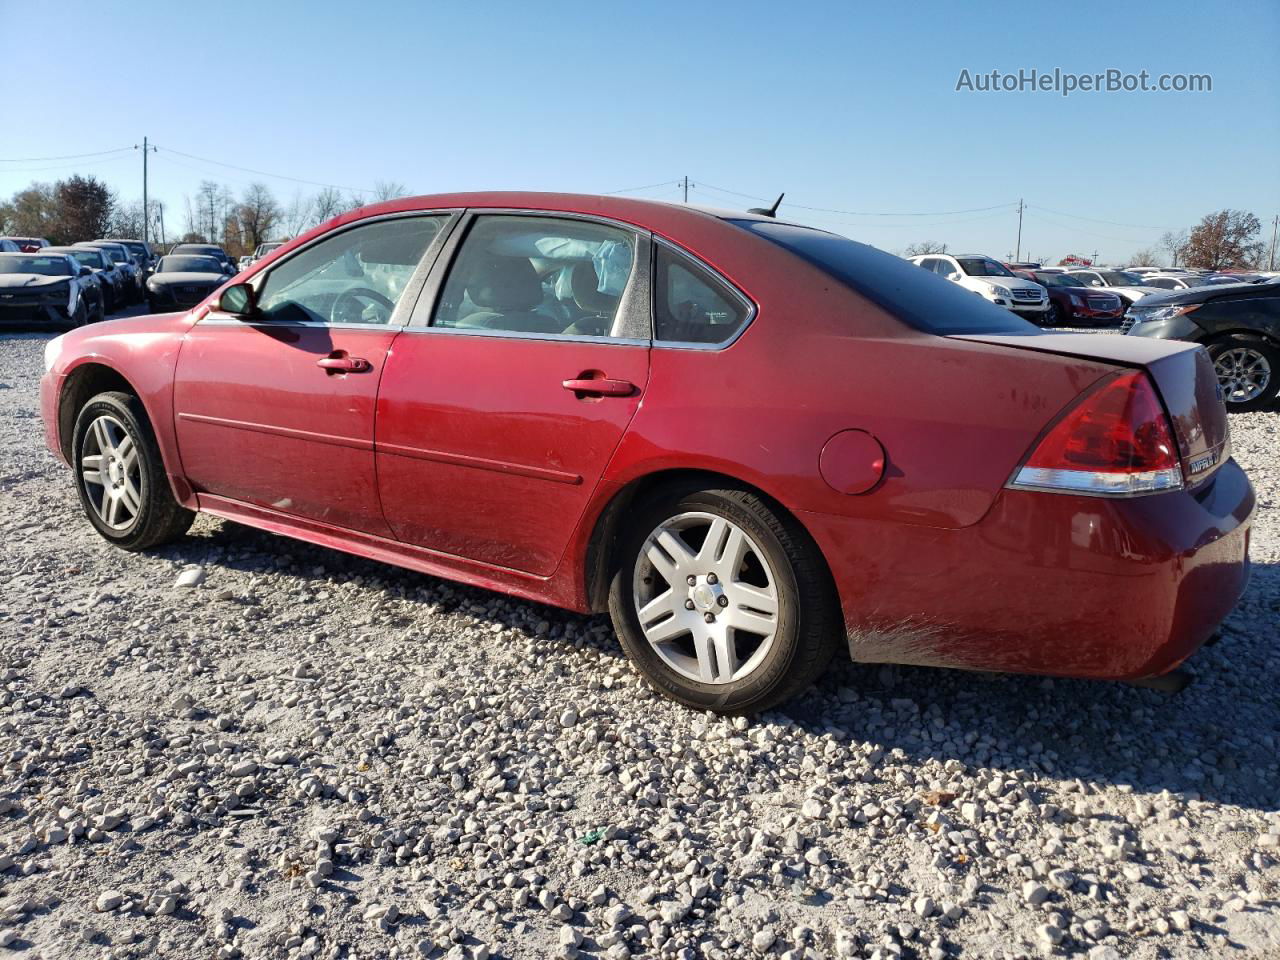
(917, 297)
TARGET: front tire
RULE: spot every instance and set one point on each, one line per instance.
(1248, 370)
(721, 603)
(120, 476)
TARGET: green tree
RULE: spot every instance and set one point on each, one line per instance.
(83, 208)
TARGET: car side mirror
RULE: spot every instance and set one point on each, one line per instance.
(86, 272)
(1095, 283)
(239, 300)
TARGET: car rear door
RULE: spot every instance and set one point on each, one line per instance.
(276, 410)
(509, 391)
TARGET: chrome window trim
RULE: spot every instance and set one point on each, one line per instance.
(734, 291)
(636, 300)
(400, 315)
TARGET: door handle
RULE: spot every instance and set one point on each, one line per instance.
(602, 387)
(344, 364)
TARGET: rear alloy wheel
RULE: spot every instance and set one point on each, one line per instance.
(722, 604)
(120, 477)
(1248, 370)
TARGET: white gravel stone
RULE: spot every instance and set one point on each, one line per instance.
(257, 766)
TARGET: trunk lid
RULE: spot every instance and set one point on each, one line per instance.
(1182, 372)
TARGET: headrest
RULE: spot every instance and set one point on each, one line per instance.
(586, 290)
(504, 283)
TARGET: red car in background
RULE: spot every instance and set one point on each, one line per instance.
(754, 443)
(1074, 303)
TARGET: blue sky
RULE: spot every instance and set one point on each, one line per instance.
(845, 106)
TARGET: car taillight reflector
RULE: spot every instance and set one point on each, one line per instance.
(1117, 441)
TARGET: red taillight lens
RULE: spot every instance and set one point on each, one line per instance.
(1117, 440)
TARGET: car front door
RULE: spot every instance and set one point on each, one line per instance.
(275, 408)
(510, 390)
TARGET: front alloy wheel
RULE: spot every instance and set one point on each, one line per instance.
(120, 476)
(1247, 370)
(722, 602)
(111, 471)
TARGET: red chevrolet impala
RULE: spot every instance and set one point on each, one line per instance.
(754, 443)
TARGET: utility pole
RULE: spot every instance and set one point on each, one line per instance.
(160, 217)
(1275, 224)
(1017, 255)
(146, 218)
(686, 184)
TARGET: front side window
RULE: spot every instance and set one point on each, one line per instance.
(983, 267)
(690, 305)
(355, 276)
(539, 275)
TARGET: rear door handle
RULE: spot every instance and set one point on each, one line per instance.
(600, 388)
(344, 364)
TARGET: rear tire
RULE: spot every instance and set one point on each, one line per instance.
(1248, 369)
(120, 476)
(706, 644)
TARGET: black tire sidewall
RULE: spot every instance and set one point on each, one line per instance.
(1268, 350)
(120, 407)
(767, 683)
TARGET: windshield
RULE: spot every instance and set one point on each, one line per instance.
(917, 297)
(116, 254)
(1058, 280)
(185, 264)
(88, 258)
(1118, 278)
(45, 266)
(982, 267)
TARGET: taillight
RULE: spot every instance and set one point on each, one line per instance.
(1117, 441)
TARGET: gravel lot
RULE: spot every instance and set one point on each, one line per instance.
(310, 755)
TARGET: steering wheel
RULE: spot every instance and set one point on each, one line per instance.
(349, 300)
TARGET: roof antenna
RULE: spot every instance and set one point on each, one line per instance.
(768, 211)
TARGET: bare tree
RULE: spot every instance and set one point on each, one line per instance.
(258, 215)
(326, 205)
(297, 215)
(126, 219)
(1225, 239)
(388, 190)
(923, 247)
(1174, 242)
(1150, 257)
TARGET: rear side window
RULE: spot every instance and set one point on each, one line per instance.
(925, 302)
(691, 305)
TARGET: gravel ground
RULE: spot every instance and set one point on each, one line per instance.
(310, 755)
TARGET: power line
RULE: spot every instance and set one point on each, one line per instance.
(264, 173)
(68, 156)
(1114, 223)
(650, 186)
(1090, 233)
(862, 213)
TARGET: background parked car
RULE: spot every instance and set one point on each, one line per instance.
(29, 244)
(142, 253)
(991, 280)
(207, 250)
(182, 281)
(95, 286)
(110, 277)
(1172, 281)
(1239, 323)
(263, 249)
(1129, 287)
(132, 288)
(41, 288)
(1075, 303)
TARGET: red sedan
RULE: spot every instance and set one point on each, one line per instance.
(755, 443)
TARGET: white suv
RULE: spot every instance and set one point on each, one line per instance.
(991, 280)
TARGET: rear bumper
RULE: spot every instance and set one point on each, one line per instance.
(1046, 583)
